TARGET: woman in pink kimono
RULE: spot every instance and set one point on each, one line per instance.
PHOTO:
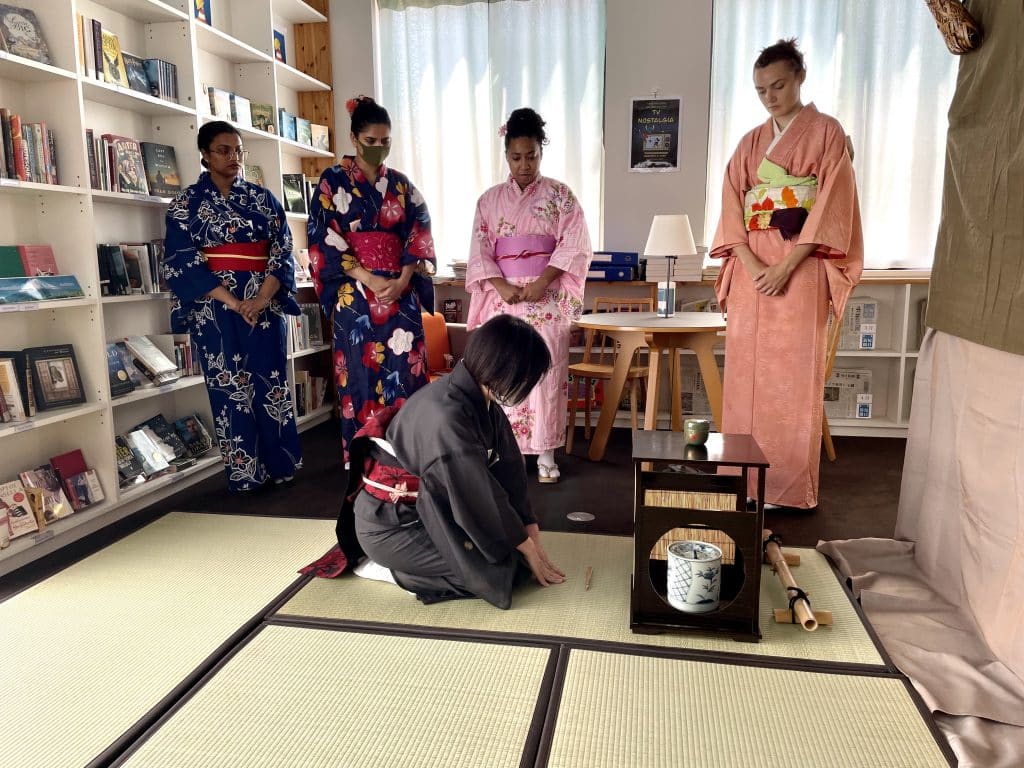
(529, 258)
(790, 239)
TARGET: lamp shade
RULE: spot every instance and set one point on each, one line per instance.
(670, 236)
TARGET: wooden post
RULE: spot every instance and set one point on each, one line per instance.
(313, 56)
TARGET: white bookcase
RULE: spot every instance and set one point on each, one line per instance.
(236, 54)
(892, 366)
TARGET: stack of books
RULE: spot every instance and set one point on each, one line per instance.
(28, 151)
(122, 164)
(686, 269)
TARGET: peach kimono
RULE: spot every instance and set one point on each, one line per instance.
(778, 194)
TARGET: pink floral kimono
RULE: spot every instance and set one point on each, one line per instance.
(516, 234)
(781, 191)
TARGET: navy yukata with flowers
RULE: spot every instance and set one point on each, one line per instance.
(379, 348)
(245, 367)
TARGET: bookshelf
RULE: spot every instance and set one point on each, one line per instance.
(892, 364)
(235, 53)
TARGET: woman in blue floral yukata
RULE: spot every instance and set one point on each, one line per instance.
(230, 268)
(372, 255)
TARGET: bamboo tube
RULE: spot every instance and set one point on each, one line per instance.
(777, 561)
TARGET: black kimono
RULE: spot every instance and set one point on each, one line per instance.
(460, 537)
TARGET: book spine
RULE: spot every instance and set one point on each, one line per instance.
(90, 146)
(42, 153)
(51, 144)
(97, 47)
(28, 143)
(19, 148)
(5, 118)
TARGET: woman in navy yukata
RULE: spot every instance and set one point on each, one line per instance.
(372, 255)
(230, 268)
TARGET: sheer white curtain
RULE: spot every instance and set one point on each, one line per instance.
(450, 73)
(882, 69)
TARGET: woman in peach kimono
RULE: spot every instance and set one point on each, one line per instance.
(529, 258)
(790, 239)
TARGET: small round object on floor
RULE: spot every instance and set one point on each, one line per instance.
(580, 517)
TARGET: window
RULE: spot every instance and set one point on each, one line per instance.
(451, 72)
(883, 70)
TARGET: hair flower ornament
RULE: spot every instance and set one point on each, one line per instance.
(503, 129)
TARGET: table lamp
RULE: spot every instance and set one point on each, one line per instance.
(670, 238)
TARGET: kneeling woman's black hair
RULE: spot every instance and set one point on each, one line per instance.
(508, 357)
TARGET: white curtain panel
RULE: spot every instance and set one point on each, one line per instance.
(882, 69)
(450, 73)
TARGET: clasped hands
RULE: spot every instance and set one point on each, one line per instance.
(513, 294)
(250, 309)
(386, 289)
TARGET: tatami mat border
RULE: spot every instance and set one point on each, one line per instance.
(557, 660)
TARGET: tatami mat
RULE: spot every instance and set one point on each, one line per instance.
(621, 711)
(89, 651)
(602, 612)
(312, 698)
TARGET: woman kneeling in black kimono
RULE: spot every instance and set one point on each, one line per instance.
(442, 502)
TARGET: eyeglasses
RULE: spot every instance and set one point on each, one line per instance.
(241, 154)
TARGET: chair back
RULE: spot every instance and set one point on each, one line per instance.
(435, 331)
(599, 347)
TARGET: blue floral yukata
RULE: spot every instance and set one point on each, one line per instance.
(379, 348)
(211, 241)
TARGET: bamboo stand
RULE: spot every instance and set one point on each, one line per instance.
(800, 611)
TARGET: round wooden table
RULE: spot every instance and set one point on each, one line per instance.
(630, 331)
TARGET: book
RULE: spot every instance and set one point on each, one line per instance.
(303, 131)
(262, 116)
(161, 169)
(165, 437)
(163, 78)
(136, 262)
(17, 290)
(202, 10)
(194, 435)
(10, 262)
(320, 137)
(10, 390)
(279, 51)
(114, 70)
(73, 473)
(294, 197)
(254, 174)
(135, 68)
(286, 124)
(19, 513)
(55, 502)
(127, 165)
(220, 102)
(85, 489)
(151, 361)
(129, 469)
(128, 361)
(22, 35)
(147, 453)
(115, 267)
(241, 110)
(56, 380)
(38, 260)
(24, 378)
(120, 380)
(5, 527)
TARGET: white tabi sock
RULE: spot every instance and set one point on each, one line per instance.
(368, 569)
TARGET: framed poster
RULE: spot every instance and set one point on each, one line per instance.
(654, 135)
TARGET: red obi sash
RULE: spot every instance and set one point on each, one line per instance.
(383, 478)
(380, 251)
(238, 257)
(523, 255)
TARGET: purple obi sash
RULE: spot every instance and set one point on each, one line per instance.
(523, 255)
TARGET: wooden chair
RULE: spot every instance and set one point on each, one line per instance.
(598, 362)
(830, 359)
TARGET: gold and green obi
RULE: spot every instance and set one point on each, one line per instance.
(780, 201)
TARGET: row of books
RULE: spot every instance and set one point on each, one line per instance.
(38, 379)
(41, 496)
(131, 268)
(310, 392)
(28, 151)
(100, 57)
(136, 362)
(27, 261)
(226, 105)
(123, 164)
(156, 447)
(302, 130)
(21, 34)
(306, 330)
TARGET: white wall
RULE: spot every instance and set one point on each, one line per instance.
(663, 44)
